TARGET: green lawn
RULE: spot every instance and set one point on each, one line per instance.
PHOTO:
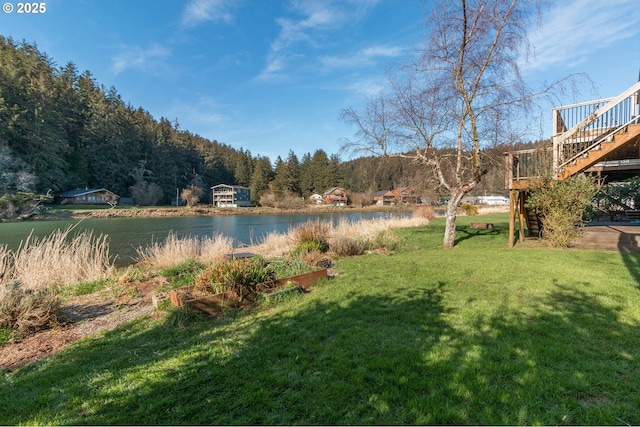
(480, 334)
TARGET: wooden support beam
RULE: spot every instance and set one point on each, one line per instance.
(512, 216)
(521, 212)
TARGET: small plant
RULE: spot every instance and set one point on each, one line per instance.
(286, 267)
(241, 276)
(386, 240)
(469, 208)
(26, 310)
(346, 246)
(312, 236)
(183, 274)
(425, 211)
(86, 288)
(7, 335)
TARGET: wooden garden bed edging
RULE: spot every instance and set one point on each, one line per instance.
(214, 304)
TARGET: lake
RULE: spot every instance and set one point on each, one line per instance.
(127, 234)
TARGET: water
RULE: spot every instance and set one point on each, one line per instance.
(127, 234)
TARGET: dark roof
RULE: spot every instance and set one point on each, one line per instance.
(82, 191)
(231, 186)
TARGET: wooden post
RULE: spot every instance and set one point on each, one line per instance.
(512, 216)
(521, 211)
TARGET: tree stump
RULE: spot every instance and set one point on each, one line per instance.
(482, 225)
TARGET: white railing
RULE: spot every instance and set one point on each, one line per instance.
(579, 128)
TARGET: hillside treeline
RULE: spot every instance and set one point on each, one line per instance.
(60, 129)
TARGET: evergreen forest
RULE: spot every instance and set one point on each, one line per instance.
(61, 129)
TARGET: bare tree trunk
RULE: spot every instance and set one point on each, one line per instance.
(450, 219)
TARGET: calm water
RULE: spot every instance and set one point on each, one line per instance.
(127, 234)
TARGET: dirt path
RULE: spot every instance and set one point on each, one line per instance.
(87, 315)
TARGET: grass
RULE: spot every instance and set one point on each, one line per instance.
(62, 258)
(480, 334)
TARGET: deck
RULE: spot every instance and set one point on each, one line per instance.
(617, 236)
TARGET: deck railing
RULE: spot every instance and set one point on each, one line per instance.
(579, 128)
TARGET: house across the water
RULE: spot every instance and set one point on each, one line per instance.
(335, 196)
(231, 196)
(88, 196)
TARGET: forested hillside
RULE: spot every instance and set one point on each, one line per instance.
(60, 129)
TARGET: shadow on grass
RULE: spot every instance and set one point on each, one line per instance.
(363, 360)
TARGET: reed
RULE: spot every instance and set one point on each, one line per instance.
(58, 259)
(364, 231)
(175, 250)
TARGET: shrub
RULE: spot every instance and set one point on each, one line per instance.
(425, 211)
(26, 310)
(561, 205)
(312, 236)
(240, 276)
(469, 208)
(346, 246)
(386, 240)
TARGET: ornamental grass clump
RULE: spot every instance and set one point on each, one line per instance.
(312, 236)
(239, 276)
(59, 259)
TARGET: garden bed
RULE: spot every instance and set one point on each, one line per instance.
(214, 304)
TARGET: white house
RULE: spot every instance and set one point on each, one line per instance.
(231, 196)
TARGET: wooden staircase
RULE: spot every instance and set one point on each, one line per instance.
(629, 135)
(592, 136)
(599, 130)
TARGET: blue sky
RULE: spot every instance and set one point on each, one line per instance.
(272, 76)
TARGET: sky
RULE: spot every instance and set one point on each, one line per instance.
(270, 76)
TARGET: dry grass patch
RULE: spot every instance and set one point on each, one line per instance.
(59, 259)
(175, 250)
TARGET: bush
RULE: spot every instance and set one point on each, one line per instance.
(26, 310)
(425, 211)
(386, 240)
(240, 276)
(469, 209)
(561, 206)
(312, 236)
(346, 246)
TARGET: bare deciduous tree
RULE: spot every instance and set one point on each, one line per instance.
(447, 105)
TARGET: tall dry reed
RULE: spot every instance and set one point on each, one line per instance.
(59, 259)
(175, 250)
(364, 231)
(368, 229)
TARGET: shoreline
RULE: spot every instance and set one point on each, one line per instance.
(169, 211)
(156, 212)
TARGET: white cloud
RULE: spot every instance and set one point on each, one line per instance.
(578, 29)
(316, 19)
(199, 11)
(134, 57)
(364, 57)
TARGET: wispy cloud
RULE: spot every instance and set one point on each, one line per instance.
(200, 11)
(364, 57)
(135, 57)
(577, 29)
(314, 22)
